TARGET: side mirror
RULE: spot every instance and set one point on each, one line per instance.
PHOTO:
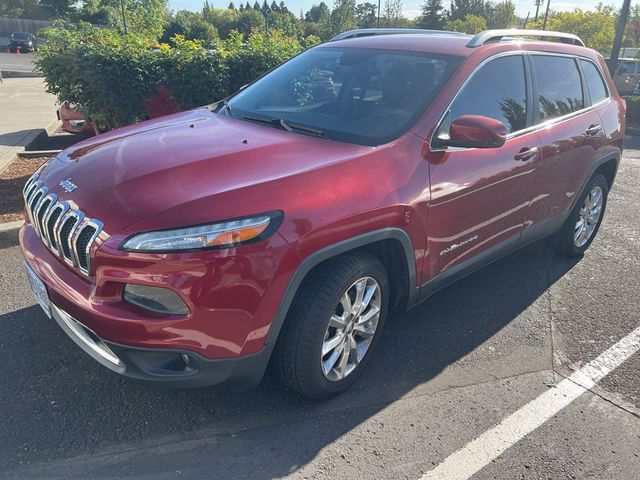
(476, 131)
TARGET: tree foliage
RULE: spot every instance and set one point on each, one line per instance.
(596, 28)
(469, 24)
(432, 15)
(110, 75)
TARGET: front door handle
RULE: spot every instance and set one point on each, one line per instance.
(593, 130)
(526, 153)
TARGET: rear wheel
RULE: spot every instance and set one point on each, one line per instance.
(584, 222)
(333, 326)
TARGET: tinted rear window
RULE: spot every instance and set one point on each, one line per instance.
(595, 82)
(559, 86)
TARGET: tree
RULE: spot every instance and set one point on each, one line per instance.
(317, 13)
(504, 15)
(191, 26)
(632, 33)
(461, 8)
(392, 13)
(366, 15)
(21, 9)
(256, 7)
(469, 24)
(58, 8)
(265, 8)
(342, 18)
(249, 20)
(596, 28)
(274, 6)
(283, 7)
(432, 16)
(231, 6)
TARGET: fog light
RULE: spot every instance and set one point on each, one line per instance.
(155, 299)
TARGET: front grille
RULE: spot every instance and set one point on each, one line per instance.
(65, 231)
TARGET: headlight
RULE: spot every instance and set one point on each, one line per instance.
(217, 235)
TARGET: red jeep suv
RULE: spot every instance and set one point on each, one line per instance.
(283, 223)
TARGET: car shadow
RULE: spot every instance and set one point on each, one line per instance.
(58, 404)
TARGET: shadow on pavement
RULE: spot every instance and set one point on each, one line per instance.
(57, 403)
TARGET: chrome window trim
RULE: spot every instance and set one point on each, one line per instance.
(532, 128)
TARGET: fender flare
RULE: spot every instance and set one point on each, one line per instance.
(617, 156)
(333, 250)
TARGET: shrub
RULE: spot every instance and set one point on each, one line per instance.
(633, 110)
(247, 61)
(110, 75)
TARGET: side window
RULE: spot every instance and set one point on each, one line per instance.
(595, 82)
(627, 67)
(498, 90)
(559, 86)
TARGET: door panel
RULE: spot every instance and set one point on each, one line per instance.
(570, 143)
(479, 196)
(478, 200)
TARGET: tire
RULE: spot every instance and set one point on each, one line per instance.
(568, 242)
(318, 319)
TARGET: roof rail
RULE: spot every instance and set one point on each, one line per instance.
(367, 32)
(496, 35)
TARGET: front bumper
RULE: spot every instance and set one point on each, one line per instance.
(166, 367)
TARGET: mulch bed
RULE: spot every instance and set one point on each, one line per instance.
(12, 179)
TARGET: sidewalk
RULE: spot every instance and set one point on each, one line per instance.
(26, 111)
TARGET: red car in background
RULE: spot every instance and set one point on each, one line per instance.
(73, 121)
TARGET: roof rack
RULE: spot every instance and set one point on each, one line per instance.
(367, 32)
(497, 35)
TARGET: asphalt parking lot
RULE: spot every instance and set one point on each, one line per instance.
(12, 62)
(445, 373)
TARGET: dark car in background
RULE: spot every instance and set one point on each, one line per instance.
(24, 41)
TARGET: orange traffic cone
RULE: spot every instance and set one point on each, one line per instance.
(18, 50)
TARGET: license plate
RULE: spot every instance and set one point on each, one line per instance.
(39, 290)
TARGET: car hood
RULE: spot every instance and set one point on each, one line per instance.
(190, 159)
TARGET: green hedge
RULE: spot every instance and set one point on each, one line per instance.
(633, 111)
(110, 75)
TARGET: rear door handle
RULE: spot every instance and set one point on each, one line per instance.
(593, 130)
(526, 153)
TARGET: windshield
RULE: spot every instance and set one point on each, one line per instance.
(361, 96)
(21, 36)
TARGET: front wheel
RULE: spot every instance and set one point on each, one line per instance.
(584, 222)
(333, 326)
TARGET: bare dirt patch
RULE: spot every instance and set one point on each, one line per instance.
(11, 182)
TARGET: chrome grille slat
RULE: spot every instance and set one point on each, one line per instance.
(67, 232)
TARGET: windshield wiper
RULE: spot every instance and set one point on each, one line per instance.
(219, 105)
(284, 124)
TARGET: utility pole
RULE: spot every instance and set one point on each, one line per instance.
(546, 15)
(617, 43)
(379, 13)
(124, 16)
(538, 3)
(526, 20)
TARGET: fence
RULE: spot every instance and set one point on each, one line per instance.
(10, 25)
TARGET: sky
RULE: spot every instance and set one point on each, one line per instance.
(411, 8)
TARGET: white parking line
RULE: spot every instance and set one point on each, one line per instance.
(481, 451)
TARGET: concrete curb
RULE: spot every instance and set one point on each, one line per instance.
(38, 153)
(11, 226)
(27, 140)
